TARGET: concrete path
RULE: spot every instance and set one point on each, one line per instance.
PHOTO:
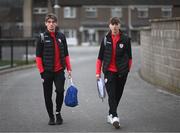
(143, 108)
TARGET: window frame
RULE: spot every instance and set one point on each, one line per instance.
(165, 11)
(91, 10)
(143, 12)
(70, 33)
(115, 11)
(40, 10)
(69, 12)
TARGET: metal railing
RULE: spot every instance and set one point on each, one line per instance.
(12, 50)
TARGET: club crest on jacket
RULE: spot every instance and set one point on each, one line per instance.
(121, 45)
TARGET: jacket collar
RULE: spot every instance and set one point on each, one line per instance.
(47, 32)
(108, 36)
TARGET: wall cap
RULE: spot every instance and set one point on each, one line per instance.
(165, 19)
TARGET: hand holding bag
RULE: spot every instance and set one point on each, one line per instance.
(71, 97)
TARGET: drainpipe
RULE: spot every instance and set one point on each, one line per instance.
(27, 18)
(129, 20)
(56, 10)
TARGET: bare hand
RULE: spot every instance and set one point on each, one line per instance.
(69, 74)
(98, 76)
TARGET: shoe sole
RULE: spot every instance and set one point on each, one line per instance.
(116, 125)
(51, 124)
(59, 123)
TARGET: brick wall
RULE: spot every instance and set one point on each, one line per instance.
(160, 53)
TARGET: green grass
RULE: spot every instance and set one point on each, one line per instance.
(16, 62)
(4, 63)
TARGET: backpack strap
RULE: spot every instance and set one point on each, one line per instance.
(105, 40)
(42, 37)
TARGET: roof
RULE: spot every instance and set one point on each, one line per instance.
(115, 2)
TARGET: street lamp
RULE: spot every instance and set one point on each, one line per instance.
(81, 29)
(56, 9)
(56, 6)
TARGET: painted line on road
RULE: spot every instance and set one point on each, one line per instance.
(167, 93)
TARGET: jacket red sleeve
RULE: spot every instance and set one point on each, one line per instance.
(98, 67)
(39, 64)
(100, 58)
(68, 64)
(130, 64)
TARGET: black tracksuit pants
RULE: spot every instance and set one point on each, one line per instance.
(58, 79)
(114, 87)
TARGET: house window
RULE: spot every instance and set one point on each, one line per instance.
(69, 33)
(142, 12)
(40, 10)
(69, 12)
(19, 25)
(166, 12)
(91, 12)
(116, 12)
(71, 36)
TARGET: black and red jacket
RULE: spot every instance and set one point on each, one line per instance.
(123, 54)
(45, 52)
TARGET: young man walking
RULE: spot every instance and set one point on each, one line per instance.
(52, 58)
(115, 59)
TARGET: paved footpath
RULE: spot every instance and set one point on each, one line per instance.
(143, 108)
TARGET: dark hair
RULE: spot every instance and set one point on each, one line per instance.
(51, 16)
(114, 20)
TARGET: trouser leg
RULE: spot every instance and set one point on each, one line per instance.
(59, 101)
(48, 87)
(59, 81)
(120, 83)
(110, 88)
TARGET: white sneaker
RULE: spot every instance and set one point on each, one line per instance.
(109, 119)
(115, 122)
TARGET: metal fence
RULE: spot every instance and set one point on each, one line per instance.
(16, 50)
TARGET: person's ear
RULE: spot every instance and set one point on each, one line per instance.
(45, 23)
(109, 26)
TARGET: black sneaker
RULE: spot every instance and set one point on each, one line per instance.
(59, 119)
(51, 121)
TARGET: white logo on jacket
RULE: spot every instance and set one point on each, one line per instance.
(108, 42)
(121, 45)
(59, 40)
(47, 41)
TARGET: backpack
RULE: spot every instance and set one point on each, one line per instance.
(71, 99)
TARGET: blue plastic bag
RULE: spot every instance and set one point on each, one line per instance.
(71, 97)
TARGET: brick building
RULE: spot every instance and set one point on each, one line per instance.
(82, 21)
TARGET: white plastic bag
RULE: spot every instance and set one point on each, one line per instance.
(101, 88)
